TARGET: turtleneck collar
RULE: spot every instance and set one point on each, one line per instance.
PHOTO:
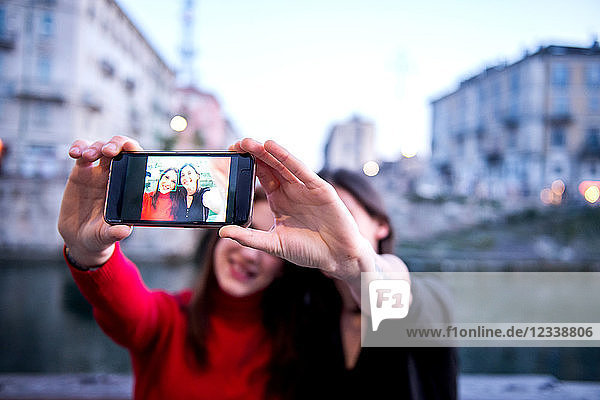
(243, 309)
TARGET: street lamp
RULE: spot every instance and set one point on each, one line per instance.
(178, 123)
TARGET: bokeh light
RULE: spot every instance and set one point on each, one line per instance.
(546, 196)
(371, 168)
(409, 153)
(590, 190)
(558, 187)
(178, 123)
(592, 194)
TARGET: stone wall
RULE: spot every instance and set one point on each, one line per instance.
(28, 225)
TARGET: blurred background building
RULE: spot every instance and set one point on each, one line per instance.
(75, 69)
(510, 131)
(79, 69)
(350, 144)
(206, 125)
(523, 131)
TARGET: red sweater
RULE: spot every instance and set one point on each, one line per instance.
(153, 327)
(163, 210)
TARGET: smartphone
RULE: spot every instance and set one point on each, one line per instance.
(180, 189)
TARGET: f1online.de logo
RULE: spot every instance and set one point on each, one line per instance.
(389, 299)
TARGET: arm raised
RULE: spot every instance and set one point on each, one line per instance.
(88, 237)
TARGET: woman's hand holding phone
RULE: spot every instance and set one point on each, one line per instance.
(88, 237)
(313, 227)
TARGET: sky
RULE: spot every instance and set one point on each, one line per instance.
(289, 70)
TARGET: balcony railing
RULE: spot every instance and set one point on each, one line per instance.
(39, 90)
(511, 121)
(7, 40)
(494, 157)
(92, 101)
(559, 117)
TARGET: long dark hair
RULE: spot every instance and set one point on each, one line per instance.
(297, 307)
(179, 176)
(359, 186)
(156, 192)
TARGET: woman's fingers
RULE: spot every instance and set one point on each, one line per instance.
(256, 239)
(280, 160)
(120, 143)
(258, 150)
(77, 148)
(115, 145)
(81, 148)
(295, 166)
(86, 154)
(266, 178)
(93, 152)
(236, 147)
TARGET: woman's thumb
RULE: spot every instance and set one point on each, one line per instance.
(256, 239)
(114, 233)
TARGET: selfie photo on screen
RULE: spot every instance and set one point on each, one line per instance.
(185, 189)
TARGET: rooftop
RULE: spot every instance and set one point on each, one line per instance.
(551, 50)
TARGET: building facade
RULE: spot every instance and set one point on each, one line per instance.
(68, 69)
(75, 69)
(514, 129)
(350, 144)
(207, 128)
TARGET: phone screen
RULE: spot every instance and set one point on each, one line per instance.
(180, 189)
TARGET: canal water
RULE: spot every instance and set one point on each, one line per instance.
(47, 327)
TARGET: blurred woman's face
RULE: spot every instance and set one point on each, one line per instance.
(189, 179)
(371, 228)
(167, 182)
(242, 271)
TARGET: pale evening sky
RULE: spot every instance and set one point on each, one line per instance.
(288, 70)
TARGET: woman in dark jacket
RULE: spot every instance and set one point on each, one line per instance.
(190, 196)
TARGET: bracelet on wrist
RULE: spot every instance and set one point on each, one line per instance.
(77, 266)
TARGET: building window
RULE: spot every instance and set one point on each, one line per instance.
(593, 103)
(460, 143)
(44, 69)
(497, 93)
(560, 105)
(513, 108)
(107, 68)
(592, 75)
(129, 84)
(2, 21)
(592, 139)
(560, 75)
(511, 139)
(41, 114)
(28, 22)
(480, 136)
(91, 11)
(40, 162)
(481, 94)
(515, 82)
(557, 137)
(47, 24)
